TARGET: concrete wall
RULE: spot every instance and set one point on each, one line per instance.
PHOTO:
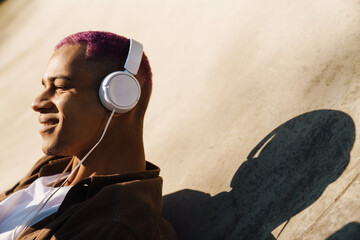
(275, 82)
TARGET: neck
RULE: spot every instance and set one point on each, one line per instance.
(116, 154)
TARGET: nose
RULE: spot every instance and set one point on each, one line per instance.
(42, 102)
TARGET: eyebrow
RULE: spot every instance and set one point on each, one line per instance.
(52, 79)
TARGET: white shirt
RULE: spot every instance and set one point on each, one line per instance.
(17, 209)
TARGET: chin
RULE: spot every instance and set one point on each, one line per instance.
(54, 149)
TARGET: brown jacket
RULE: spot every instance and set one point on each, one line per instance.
(119, 206)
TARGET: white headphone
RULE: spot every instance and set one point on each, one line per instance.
(120, 91)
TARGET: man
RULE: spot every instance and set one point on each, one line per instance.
(115, 193)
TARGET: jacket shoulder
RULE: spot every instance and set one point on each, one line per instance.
(32, 175)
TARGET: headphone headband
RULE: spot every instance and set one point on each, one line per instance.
(133, 59)
(120, 91)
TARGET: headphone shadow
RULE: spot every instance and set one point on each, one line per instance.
(350, 231)
(295, 163)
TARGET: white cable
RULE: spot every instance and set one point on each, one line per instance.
(47, 197)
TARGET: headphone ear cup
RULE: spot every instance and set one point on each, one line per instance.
(120, 91)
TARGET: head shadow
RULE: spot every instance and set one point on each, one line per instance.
(284, 174)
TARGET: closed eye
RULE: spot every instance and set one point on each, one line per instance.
(61, 87)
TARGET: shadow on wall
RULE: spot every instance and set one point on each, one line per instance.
(294, 165)
(350, 231)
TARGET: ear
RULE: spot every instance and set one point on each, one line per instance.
(129, 114)
(118, 115)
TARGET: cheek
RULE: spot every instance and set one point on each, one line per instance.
(85, 103)
(82, 112)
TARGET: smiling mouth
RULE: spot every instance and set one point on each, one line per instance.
(48, 126)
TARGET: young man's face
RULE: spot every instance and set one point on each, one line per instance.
(71, 115)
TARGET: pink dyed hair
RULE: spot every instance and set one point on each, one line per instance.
(102, 44)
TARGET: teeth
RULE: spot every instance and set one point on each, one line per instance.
(50, 122)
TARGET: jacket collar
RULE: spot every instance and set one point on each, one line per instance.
(95, 183)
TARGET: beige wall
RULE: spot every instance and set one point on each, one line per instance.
(226, 73)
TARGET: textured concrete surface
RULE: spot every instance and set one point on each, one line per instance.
(254, 115)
